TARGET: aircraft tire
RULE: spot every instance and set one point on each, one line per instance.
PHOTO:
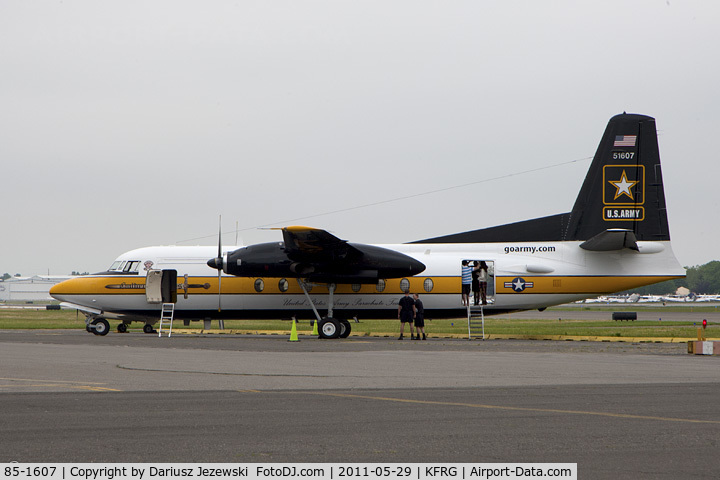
(102, 326)
(147, 328)
(329, 328)
(122, 328)
(345, 328)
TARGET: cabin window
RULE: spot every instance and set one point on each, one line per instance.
(380, 285)
(283, 285)
(405, 285)
(259, 285)
(355, 287)
(428, 285)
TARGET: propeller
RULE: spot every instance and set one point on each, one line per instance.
(217, 263)
(220, 264)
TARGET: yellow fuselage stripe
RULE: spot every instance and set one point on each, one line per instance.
(113, 285)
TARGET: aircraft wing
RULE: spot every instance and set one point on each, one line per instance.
(319, 256)
(307, 242)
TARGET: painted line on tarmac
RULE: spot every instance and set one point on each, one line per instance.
(509, 408)
(557, 338)
(96, 389)
(90, 386)
(49, 381)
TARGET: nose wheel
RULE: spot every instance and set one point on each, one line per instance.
(99, 326)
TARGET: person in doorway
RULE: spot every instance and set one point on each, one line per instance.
(419, 318)
(466, 281)
(476, 282)
(482, 280)
(406, 313)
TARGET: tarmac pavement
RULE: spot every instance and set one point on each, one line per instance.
(618, 410)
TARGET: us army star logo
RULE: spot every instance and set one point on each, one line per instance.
(623, 186)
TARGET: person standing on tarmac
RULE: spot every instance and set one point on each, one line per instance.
(419, 318)
(406, 312)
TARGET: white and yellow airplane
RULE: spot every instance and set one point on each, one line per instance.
(615, 238)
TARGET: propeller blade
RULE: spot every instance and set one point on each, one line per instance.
(220, 264)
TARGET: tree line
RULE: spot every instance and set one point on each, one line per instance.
(700, 279)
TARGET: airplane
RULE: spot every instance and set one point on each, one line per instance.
(616, 237)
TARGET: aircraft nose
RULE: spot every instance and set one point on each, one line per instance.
(62, 290)
(55, 292)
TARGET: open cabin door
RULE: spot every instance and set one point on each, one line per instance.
(161, 286)
(483, 282)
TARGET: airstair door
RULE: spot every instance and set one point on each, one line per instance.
(161, 286)
(153, 286)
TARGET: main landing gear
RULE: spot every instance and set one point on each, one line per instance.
(328, 327)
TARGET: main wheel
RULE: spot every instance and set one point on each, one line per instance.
(329, 328)
(102, 326)
(345, 328)
(122, 328)
(147, 328)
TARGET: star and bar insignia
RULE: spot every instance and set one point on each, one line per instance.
(519, 284)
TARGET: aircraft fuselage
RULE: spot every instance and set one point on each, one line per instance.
(522, 276)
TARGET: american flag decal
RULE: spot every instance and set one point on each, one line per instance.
(625, 140)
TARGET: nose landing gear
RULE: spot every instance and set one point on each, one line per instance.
(98, 325)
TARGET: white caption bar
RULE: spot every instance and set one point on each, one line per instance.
(265, 471)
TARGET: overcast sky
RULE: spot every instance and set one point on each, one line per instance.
(135, 123)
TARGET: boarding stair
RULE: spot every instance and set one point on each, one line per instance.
(166, 318)
(476, 322)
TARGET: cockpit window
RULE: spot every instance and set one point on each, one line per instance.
(132, 266)
(126, 267)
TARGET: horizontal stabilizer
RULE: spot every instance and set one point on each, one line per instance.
(612, 239)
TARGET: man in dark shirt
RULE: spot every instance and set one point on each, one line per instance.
(406, 313)
(419, 318)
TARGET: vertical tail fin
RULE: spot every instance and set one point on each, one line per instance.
(623, 188)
